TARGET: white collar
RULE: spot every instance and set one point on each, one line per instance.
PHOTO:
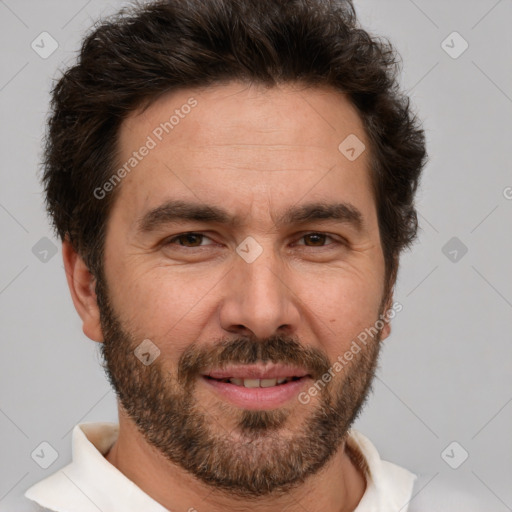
(91, 484)
(388, 486)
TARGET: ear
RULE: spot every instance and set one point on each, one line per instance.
(386, 330)
(388, 291)
(82, 287)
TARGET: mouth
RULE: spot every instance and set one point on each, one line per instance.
(256, 383)
(256, 387)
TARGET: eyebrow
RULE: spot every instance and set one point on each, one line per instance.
(175, 211)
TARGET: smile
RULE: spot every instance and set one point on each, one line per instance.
(257, 383)
(256, 386)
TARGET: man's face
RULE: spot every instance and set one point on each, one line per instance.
(265, 297)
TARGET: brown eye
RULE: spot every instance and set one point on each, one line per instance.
(317, 239)
(187, 240)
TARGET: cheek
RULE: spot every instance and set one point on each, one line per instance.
(343, 308)
(164, 305)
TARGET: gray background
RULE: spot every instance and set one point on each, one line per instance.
(445, 371)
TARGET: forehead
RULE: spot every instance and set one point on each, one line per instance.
(245, 115)
(237, 143)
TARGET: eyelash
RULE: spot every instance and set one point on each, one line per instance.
(171, 240)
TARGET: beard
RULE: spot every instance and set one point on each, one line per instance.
(262, 454)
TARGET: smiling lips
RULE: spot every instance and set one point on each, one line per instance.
(257, 376)
(258, 383)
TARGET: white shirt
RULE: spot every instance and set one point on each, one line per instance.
(91, 484)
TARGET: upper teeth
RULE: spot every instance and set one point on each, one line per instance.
(258, 383)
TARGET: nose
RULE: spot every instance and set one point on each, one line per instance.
(258, 298)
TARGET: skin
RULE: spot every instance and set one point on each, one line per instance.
(253, 152)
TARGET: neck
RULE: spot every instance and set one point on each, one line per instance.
(338, 487)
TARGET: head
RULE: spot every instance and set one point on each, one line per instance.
(233, 182)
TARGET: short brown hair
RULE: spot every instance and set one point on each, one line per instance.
(130, 60)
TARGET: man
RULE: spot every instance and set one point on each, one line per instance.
(233, 182)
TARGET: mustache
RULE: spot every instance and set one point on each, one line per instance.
(248, 350)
